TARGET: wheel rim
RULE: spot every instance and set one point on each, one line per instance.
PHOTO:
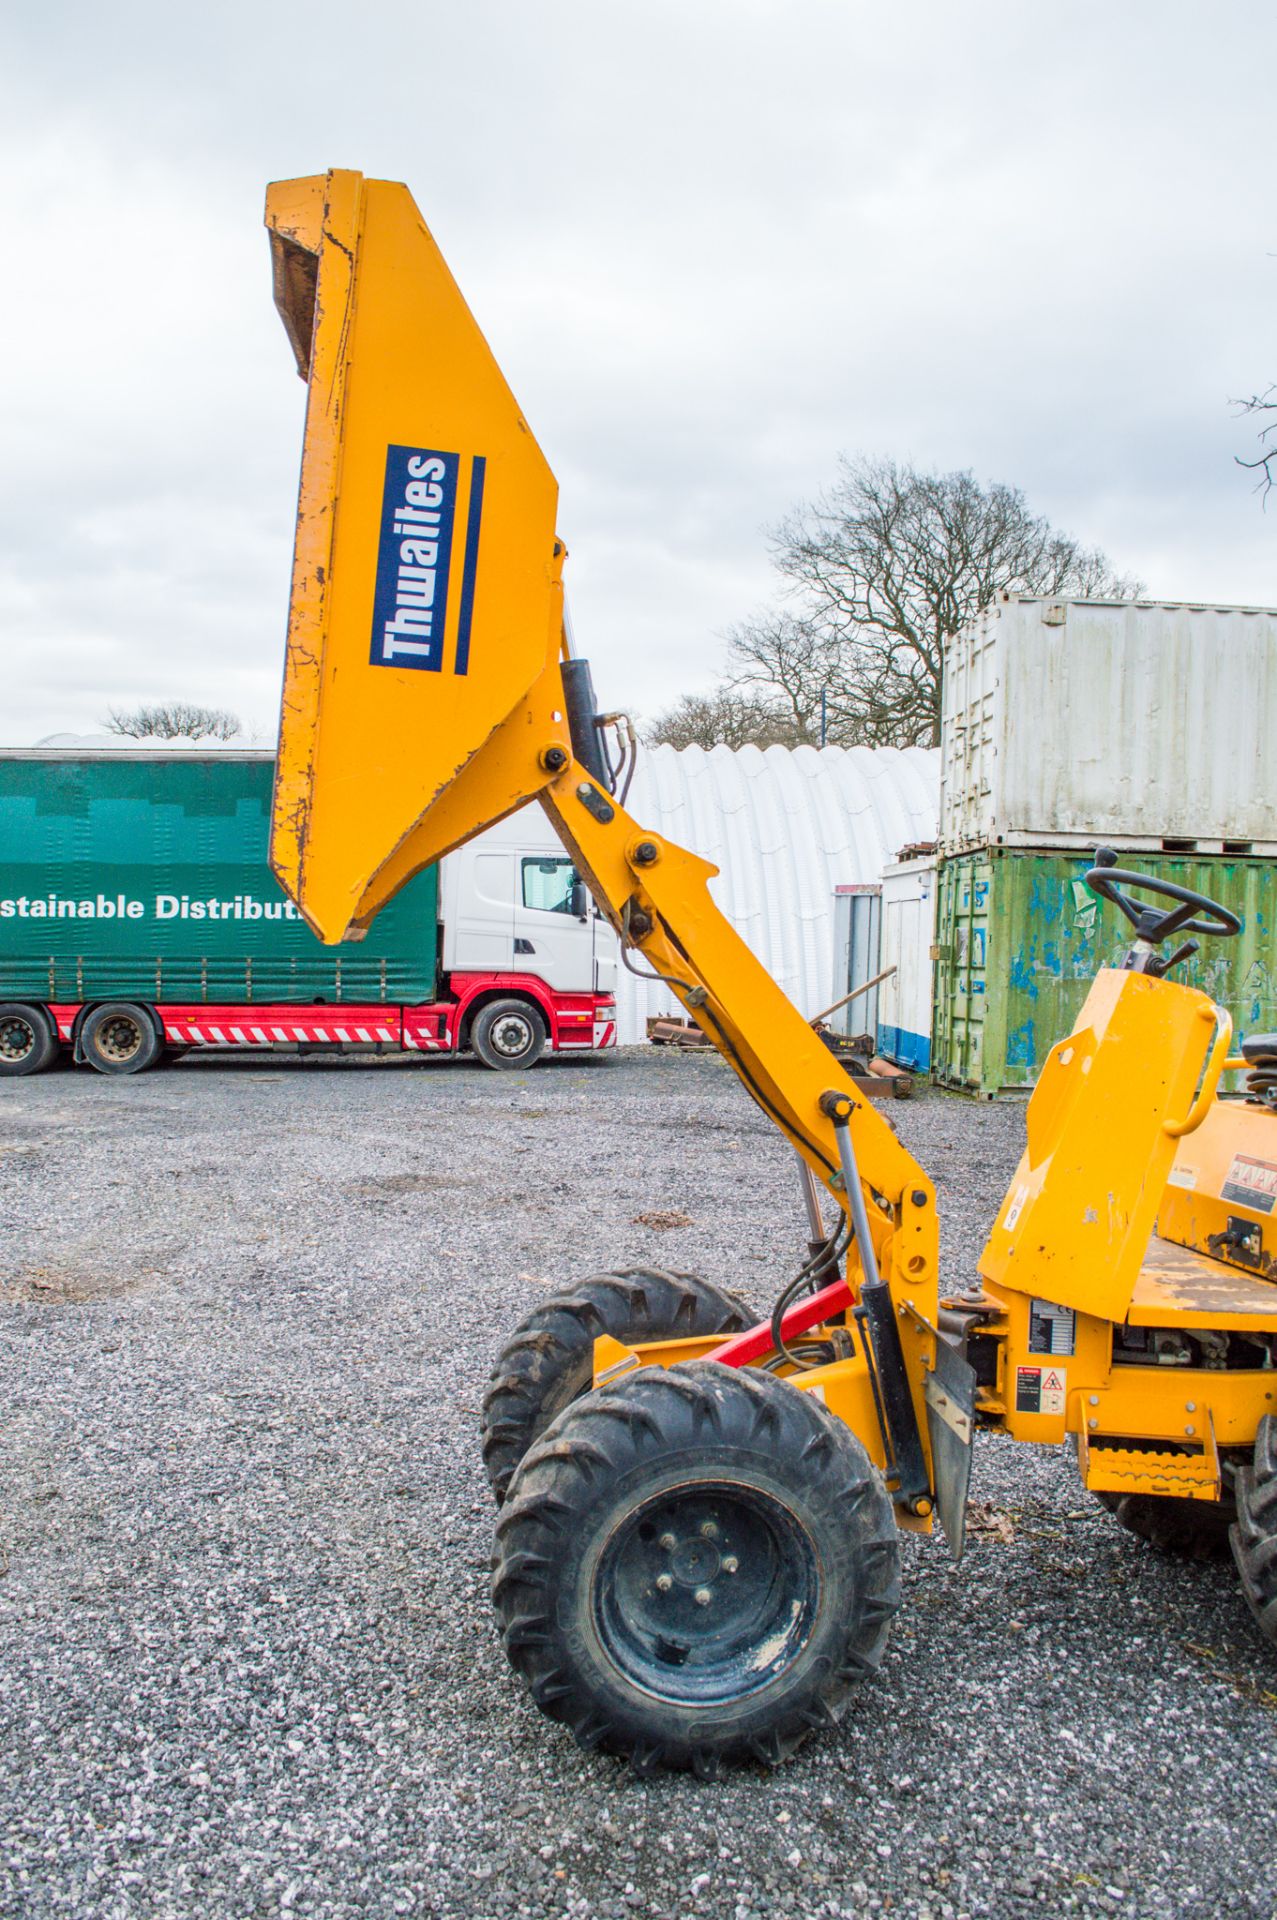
(511, 1035)
(706, 1593)
(118, 1039)
(17, 1038)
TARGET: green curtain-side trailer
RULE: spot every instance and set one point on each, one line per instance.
(146, 878)
(139, 915)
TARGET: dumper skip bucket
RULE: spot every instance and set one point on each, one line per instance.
(426, 572)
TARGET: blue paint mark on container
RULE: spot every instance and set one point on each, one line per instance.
(1022, 1050)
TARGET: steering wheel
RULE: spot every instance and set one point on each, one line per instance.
(1149, 924)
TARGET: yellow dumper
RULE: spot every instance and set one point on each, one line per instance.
(697, 1541)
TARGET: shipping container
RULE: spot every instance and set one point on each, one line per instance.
(1020, 936)
(138, 915)
(1137, 724)
(908, 936)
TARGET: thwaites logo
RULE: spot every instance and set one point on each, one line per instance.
(410, 619)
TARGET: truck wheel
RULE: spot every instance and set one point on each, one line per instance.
(120, 1038)
(697, 1565)
(549, 1360)
(508, 1033)
(28, 1040)
(1254, 1535)
(1190, 1529)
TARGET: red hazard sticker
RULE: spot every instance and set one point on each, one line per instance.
(1251, 1183)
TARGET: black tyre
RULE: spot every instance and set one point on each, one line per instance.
(508, 1033)
(1189, 1529)
(28, 1040)
(120, 1037)
(695, 1566)
(549, 1360)
(1254, 1535)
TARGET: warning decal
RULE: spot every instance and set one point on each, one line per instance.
(1028, 1389)
(1054, 1385)
(1040, 1389)
(1016, 1207)
(1251, 1183)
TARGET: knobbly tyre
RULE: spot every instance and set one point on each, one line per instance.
(697, 1545)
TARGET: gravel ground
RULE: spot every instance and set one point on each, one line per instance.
(247, 1660)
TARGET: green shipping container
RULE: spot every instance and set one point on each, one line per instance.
(145, 877)
(1020, 936)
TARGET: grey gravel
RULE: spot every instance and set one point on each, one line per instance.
(247, 1661)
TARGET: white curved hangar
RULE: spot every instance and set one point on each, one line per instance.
(785, 825)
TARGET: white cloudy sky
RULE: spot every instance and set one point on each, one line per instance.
(713, 243)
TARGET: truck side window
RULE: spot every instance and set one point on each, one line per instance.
(548, 884)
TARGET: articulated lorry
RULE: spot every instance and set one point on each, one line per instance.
(139, 918)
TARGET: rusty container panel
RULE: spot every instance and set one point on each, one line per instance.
(1020, 936)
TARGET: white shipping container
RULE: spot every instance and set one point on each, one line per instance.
(908, 906)
(1139, 724)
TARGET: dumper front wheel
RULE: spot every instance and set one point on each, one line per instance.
(548, 1361)
(695, 1566)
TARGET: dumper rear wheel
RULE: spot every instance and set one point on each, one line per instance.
(549, 1359)
(1254, 1535)
(1189, 1529)
(695, 1566)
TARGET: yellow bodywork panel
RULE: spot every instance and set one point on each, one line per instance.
(1102, 1128)
(1221, 1197)
(1178, 1287)
(426, 600)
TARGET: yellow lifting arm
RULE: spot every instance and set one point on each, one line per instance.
(424, 692)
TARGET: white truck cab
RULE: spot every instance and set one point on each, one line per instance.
(512, 904)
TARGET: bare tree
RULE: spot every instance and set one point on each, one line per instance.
(882, 570)
(173, 720)
(725, 718)
(1263, 406)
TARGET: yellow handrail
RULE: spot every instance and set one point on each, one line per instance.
(1210, 1079)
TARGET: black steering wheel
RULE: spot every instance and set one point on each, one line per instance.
(1107, 879)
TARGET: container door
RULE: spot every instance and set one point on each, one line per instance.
(858, 932)
(905, 1000)
(962, 971)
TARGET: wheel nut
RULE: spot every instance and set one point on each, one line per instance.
(663, 1582)
(702, 1596)
(731, 1563)
(667, 1542)
(708, 1530)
